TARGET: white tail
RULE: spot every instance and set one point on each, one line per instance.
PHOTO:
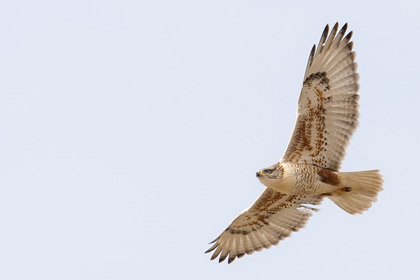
(358, 190)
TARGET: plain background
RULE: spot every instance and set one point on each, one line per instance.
(130, 133)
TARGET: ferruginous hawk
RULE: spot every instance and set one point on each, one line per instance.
(308, 171)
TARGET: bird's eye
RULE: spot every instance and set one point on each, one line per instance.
(267, 171)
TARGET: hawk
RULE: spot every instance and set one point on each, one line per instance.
(309, 170)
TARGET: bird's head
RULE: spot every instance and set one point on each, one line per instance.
(270, 174)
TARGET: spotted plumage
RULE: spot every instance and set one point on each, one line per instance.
(309, 170)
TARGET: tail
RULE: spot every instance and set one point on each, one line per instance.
(358, 190)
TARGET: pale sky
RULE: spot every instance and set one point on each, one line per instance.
(131, 132)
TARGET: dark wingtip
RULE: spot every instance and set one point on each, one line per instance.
(350, 46)
(222, 258)
(343, 30)
(348, 36)
(209, 250)
(211, 242)
(327, 27)
(312, 51)
(212, 248)
(325, 32)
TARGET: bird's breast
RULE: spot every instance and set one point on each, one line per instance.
(297, 179)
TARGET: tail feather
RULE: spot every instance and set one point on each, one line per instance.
(358, 190)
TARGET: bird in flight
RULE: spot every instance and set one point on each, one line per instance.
(309, 170)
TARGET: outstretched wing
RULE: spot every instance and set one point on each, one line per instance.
(328, 108)
(270, 219)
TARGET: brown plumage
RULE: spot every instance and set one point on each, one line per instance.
(308, 172)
